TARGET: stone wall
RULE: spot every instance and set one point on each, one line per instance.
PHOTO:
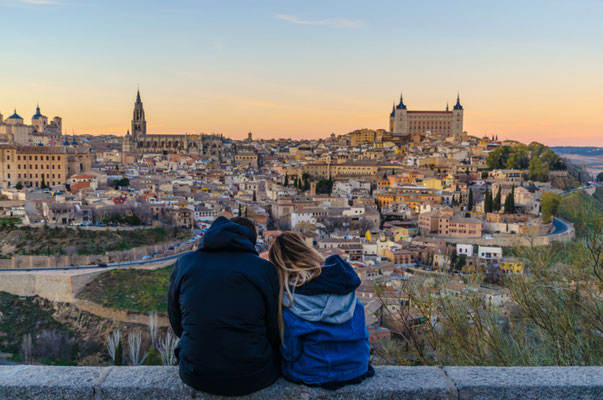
(54, 287)
(130, 317)
(27, 382)
(136, 253)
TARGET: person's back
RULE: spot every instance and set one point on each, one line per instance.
(222, 303)
(325, 341)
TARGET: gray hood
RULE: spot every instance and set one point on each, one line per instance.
(329, 308)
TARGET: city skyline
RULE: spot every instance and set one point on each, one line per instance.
(524, 71)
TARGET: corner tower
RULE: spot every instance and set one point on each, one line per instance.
(139, 123)
(398, 118)
(457, 118)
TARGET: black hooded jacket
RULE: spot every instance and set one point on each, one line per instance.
(223, 304)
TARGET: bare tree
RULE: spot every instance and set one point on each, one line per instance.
(143, 212)
(112, 342)
(307, 229)
(166, 348)
(134, 348)
(153, 327)
(26, 348)
(53, 345)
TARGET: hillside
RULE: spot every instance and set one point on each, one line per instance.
(585, 151)
(130, 289)
(53, 241)
(589, 157)
(584, 211)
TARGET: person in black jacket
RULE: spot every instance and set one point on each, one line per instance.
(223, 304)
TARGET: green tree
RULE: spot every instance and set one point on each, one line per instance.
(519, 157)
(461, 261)
(153, 357)
(488, 201)
(539, 170)
(453, 259)
(324, 186)
(119, 354)
(510, 202)
(255, 197)
(470, 200)
(123, 182)
(497, 200)
(549, 204)
(306, 186)
(19, 186)
(286, 180)
(600, 177)
(43, 183)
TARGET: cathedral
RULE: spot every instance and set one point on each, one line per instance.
(421, 123)
(138, 141)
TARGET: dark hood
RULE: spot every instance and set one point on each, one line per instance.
(337, 277)
(224, 235)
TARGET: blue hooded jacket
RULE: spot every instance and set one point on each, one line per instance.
(325, 338)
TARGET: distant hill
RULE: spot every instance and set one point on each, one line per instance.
(591, 158)
(578, 150)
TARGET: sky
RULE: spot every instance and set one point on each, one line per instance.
(525, 70)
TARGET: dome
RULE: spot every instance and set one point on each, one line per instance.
(15, 116)
(38, 114)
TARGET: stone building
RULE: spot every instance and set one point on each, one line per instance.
(420, 123)
(32, 165)
(138, 141)
(247, 159)
(14, 130)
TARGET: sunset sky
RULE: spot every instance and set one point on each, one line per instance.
(526, 70)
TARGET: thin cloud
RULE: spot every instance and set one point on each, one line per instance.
(41, 2)
(330, 22)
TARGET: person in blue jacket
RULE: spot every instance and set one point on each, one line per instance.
(324, 339)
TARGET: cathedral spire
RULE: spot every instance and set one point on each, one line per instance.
(139, 123)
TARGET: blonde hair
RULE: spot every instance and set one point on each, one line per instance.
(296, 263)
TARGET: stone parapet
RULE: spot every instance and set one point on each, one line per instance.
(26, 382)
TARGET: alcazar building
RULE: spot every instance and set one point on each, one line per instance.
(138, 141)
(418, 123)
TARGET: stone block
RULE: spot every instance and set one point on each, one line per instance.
(27, 382)
(578, 383)
(156, 383)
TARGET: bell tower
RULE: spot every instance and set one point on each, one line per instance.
(139, 123)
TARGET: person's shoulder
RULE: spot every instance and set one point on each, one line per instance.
(188, 260)
(261, 263)
(260, 267)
